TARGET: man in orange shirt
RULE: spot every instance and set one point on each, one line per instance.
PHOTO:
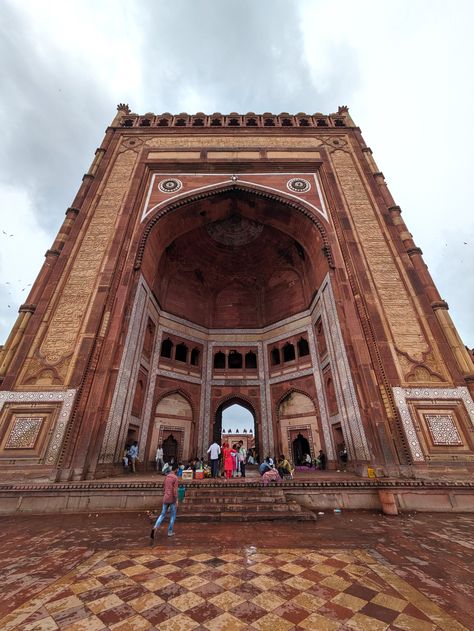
(170, 500)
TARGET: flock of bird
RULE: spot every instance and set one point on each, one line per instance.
(19, 281)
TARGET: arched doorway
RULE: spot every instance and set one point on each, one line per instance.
(173, 422)
(300, 447)
(170, 449)
(232, 418)
(238, 425)
(299, 427)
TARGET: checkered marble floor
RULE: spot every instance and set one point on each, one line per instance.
(269, 590)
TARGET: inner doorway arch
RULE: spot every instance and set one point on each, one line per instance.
(170, 448)
(300, 447)
(218, 428)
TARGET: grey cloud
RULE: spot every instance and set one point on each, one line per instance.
(235, 56)
(240, 56)
(56, 115)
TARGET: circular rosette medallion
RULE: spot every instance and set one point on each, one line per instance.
(298, 185)
(170, 185)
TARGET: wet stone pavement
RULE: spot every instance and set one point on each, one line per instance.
(353, 571)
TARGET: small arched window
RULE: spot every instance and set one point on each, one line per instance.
(166, 348)
(250, 360)
(235, 360)
(288, 352)
(195, 357)
(219, 360)
(275, 355)
(181, 354)
(303, 347)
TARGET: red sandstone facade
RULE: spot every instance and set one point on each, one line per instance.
(212, 260)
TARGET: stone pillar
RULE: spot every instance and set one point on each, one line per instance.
(388, 501)
(15, 337)
(462, 356)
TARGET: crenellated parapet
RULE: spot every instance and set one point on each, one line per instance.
(125, 118)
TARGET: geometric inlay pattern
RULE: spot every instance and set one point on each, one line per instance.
(24, 432)
(275, 589)
(443, 429)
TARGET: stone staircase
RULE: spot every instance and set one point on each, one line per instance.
(240, 503)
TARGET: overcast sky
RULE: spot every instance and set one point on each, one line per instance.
(405, 69)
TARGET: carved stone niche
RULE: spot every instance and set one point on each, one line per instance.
(25, 432)
(443, 429)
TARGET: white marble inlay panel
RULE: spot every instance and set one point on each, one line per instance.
(402, 395)
(65, 397)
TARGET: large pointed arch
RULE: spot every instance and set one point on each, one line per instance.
(234, 187)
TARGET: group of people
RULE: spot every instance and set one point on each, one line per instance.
(226, 460)
(318, 463)
(130, 457)
(231, 460)
(274, 472)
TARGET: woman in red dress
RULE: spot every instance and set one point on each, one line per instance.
(228, 460)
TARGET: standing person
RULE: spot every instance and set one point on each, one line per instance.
(214, 452)
(159, 458)
(235, 460)
(228, 460)
(322, 460)
(242, 457)
(133, 455)
(170, 500)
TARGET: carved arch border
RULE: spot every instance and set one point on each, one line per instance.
(223, 189)
(169, 420)
(290, 391)
(179, 391)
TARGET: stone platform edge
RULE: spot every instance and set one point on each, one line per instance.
(77, 497)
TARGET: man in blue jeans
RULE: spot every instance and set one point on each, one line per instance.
(170, 500)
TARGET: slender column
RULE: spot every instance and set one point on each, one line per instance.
(15, 338)
(460, 352)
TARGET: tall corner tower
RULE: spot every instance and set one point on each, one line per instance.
(209, 260)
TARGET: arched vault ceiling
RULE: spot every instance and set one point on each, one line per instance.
(234, 267)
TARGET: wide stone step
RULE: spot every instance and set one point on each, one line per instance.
(231, 508)
(243, 517)
(234, 500)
